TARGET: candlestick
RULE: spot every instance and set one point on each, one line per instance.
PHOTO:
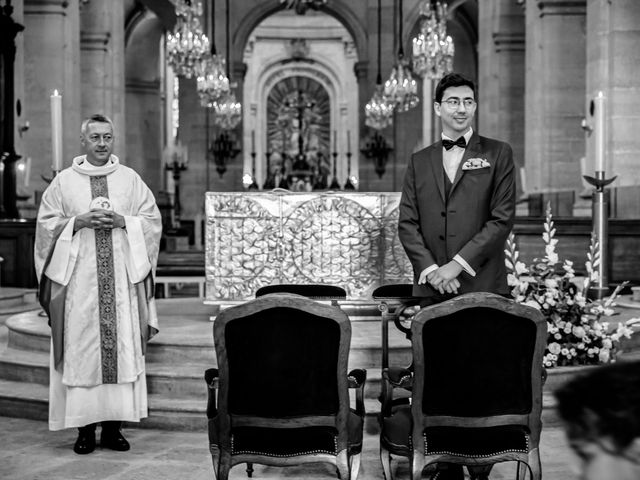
(348, 141)
(56, 131)
(253, 140)
(600, 125)
(335, 141)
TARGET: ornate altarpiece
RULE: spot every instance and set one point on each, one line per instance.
(261, 238)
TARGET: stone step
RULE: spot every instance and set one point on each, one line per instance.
(189, 339)
(10, 298)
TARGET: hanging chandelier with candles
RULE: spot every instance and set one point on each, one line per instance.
(378, 111)
(401, 89)
(187, 44)
(212, 82)
(433, 49)
(227, 111)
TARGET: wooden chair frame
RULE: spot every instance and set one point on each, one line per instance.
(419, 460)
(218, 379)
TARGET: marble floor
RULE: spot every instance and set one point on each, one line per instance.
(31, 452)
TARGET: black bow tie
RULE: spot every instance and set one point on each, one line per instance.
(449, 144)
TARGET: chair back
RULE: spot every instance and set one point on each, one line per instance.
(478, 363)
(283, 357)
(316, 291)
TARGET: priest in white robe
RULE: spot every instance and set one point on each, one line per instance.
(97, 242)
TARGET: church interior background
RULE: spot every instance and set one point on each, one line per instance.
(300, 82)
(284, 116)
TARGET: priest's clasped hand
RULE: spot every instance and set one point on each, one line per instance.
(99, 219)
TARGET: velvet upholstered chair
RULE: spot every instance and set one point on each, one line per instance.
(476, 388)
(283, 388)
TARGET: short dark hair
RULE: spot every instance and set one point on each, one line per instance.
(454, 80)
(603, 403)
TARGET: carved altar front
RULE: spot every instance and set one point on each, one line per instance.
(261, 238)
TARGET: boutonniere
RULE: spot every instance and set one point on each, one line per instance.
(475, 163)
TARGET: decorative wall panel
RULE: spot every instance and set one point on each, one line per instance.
(262, 238)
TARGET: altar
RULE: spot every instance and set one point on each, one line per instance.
(349, 239)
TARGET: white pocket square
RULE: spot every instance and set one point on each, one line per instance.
(475, 163)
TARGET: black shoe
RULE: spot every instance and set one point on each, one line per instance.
(86, 441)
(112, 438)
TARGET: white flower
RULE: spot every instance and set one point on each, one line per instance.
(565, 352)
(578, 332)
(520, 268)
(512, 281)
(607, 343)
(554, 348)
(557, 336)
(604, 355)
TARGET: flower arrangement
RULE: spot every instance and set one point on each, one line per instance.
(577, 333)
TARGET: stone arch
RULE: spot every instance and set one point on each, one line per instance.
(336, 9)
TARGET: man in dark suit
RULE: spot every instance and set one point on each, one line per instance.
(458, 203)
(457, 209)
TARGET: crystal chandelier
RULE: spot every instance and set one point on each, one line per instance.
(212, 82)
(301, 6)
(433, 49)
(227, 112)
(401, 89)
(187, 44)
(378, 111)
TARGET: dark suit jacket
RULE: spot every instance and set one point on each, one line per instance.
(473, 222)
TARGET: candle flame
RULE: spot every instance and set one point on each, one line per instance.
(55, 93)
(600, 93)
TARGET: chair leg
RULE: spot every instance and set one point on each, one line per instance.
(342, 463)
(535, 467)
(224, 466)
(354, 466)
(385, 459)
(215, 459)
(249, 469)
(417, 465)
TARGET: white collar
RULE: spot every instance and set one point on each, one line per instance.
(81, 165)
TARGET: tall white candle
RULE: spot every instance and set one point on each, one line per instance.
(27, 171)
(56, 131)
(349, 141)
(253, 141)
(600, 132)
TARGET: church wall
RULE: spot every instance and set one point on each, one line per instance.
(51, 61)
(501, 76)
(144, 108)
(555, 83)
(101, 65)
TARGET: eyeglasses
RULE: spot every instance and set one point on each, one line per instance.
(95, 138)
(455, 102)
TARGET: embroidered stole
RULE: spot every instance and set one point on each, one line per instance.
(106, 291)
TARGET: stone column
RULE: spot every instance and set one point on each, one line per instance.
(102, 62)
(554, 106)
(501, 74)
(51, 45)
(613, 36)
